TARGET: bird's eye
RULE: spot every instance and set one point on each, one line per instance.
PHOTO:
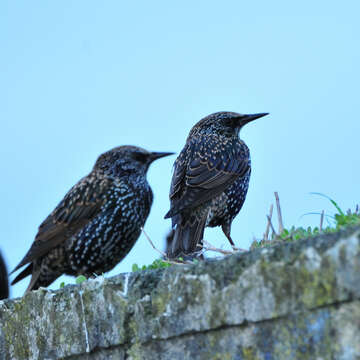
(140, 157)
(228, 122)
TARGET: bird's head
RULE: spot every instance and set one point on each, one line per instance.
(224, 122)
(127, 158)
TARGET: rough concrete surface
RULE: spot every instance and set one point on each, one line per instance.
(292, 301)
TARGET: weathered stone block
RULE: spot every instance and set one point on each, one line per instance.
(292, 301)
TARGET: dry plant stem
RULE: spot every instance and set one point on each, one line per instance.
(210, 247)
(281, 225)
(165, 258)
(152, 244)
(176, 262)
(271, 225)
(237, 249)
(321, 221)
(266, 234)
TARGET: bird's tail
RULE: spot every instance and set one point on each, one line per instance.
(38, 278)
(188, 235)
(4, 282)
(26, 272)
(35, 274)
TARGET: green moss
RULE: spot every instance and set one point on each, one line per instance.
(305, 336)
(221, 356)
(214, 339)
(277, 280)
(249, 353)
(131, 331)
(316, 287)
(14, 327)
(217, 315)
(135, 352)
(159, 302)
(343, 254)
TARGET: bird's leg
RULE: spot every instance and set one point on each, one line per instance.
(200, 246)
(226, 228)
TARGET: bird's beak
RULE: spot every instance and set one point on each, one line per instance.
(250, 117)
(158, 155)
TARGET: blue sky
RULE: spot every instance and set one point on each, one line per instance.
(80, 77)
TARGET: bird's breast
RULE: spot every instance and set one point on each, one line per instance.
(217, 209)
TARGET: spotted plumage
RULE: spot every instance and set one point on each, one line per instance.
(210, 180)
(98, 221)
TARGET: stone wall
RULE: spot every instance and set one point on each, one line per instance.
(291, 301)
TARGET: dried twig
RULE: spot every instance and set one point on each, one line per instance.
(271, 225)
(266, 234)
(281, 225)
(152, 244)
(321, 221)
(177, 262)
(165, 258)
(210, 247)
(235, 248)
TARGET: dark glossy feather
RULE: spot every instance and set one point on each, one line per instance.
(204, 178)
(210, 180)
(74, 211)
(4, 281)
(26, 272)
(98, 221)
(188, 235)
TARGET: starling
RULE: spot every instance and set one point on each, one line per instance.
(4, 282)
(97, 222)
(210, 180)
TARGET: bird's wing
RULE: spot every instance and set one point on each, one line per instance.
(77, 208)
(178, 179)
(205, 176)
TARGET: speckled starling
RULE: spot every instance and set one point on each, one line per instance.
(98, 221)
(210, 180)
(4, 282)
